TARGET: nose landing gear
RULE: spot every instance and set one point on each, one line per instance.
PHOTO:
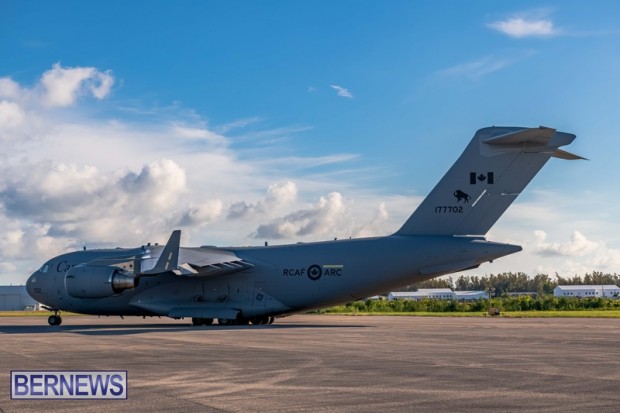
(56, 319)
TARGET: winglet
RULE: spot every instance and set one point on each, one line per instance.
(169, 258)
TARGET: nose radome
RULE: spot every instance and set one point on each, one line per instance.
(31, 280)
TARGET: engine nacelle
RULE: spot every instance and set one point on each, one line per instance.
(94, 281)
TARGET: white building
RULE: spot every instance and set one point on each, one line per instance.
(585, 291)
(437, 293)
(15, 298)
(471, 295)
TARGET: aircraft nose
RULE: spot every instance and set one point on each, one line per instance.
(29, 283)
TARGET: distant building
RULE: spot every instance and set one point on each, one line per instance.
(436, 293)
(471, 295)
(15, 298)
(587, 291)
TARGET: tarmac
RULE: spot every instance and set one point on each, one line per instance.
(310, 363)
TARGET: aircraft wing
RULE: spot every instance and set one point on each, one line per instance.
(189, 262)
(117, 259)
(196, 262)
(209, 262)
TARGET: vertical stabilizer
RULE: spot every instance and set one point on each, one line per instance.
(495, 167)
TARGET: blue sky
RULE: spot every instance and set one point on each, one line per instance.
(241, 122)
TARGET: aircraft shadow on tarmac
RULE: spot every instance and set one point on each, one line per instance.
(127, 329)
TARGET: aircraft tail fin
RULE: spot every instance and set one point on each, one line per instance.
(169, 258)
(495, 167)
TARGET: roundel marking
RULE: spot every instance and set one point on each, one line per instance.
(314, 272)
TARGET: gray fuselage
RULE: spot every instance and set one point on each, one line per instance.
(285, 279)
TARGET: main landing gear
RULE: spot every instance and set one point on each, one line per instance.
(233, 322)
(202, 321)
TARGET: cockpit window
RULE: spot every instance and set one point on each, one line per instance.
(44, 268)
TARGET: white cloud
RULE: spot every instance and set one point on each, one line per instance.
(279, 195)
(200, 134)
(342, 92)
(318, 220)
(11, 115)
(577, 246)
(377, 225)
(476, 69)
(9, 88)
(158, 185)
(202, 214)
(282, 193)
(67, 179)
(11, 242)
(519, 27)
(63, 85)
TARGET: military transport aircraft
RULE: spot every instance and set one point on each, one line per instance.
(242, 285)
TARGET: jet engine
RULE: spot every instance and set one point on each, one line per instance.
(91, 281)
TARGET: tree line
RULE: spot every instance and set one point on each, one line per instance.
(503, 283)
(521, 303)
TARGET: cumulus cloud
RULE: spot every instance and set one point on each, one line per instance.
(278, 195)
(157, 186)
(282, 193)
(519, 27)
(9, 89)
(577, 245)
(203, 213)
(319, 219)
(128, 179)
(83, 202)
(342, 92)
(578, 255)
(63, 85)
(377, 225)
(11, 115)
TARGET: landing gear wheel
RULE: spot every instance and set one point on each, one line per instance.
(224, 321)
(54, 320)
(201, 321)
(272, 319)
(258, 320)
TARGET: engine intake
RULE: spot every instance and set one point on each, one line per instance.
(90, 281)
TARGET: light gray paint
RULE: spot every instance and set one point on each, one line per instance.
(444, 235)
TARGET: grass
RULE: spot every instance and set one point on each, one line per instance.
(32, 313)
(508, 314)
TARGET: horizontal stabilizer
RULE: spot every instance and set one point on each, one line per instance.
(559, 153)
(535, 136)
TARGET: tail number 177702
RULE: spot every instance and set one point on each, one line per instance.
(448, 209)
